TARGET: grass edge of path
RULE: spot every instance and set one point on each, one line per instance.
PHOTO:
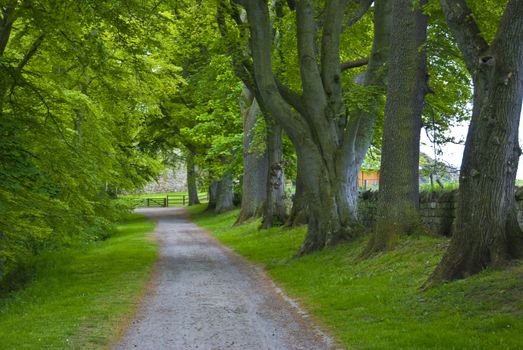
(82, 297)
(377, 303)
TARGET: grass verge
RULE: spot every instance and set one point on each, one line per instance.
(80, 297)
(377, 303)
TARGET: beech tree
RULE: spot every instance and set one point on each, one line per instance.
(398, 198)
(72, 106)
(329, 143)
(486, 229)
(255, 161)
(273, 208)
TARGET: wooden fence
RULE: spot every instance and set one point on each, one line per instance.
(173, 200)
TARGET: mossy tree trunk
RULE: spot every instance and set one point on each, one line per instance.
(274, 212)
(486, 230)
(224, 194)
(398, 198)
(255, 161)
(330, 145)
(298, 215)
(192, 186)
(213, 195)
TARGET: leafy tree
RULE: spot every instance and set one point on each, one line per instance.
(330, 146)
(486, 229)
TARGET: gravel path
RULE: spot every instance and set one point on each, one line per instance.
(204, 296)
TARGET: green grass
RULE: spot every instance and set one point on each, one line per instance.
(80, 298)
(377, 303)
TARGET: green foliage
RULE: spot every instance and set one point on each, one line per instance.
(203, 115)
(78, 297)
(76, 83)
(377, 303)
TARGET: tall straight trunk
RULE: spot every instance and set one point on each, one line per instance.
(486, 230)
(398, 198)
(192, 186)
(224, 194)
(275, 212)
(213, 195)
(255, 161)
(298, 215)
(329, 144)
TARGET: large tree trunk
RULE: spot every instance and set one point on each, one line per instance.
(275, 212)
(192, 186)
(255, 162)
(486, 230)
(213, 195)
(224, 194)
(398, 198)
(329, 145)
(299, 211)
(331, 199)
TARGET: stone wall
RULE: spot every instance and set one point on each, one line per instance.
(437, 210)
(171, 181)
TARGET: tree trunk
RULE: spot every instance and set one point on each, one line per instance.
(224, 194)
(213, 195)
(275, 212)
(331, 199)
(298, 215)
(328, 143)
(192, 187)
(486, 230)
(255, 162)
(398, 198)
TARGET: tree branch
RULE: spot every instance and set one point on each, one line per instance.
(354, 64)
(271, 99)
(510, 27)
(330, 48)
(310, 72)
(6, 24)
(364, 7)
(29, 54)
(466, 31)
(291, 97)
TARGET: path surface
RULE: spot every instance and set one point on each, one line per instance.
(206, 297)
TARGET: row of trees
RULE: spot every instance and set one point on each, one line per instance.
(93, 97)
(77, 81)
(339, 76)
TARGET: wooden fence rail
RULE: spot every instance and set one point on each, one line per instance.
(175, 200)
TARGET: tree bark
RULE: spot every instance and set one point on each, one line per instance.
(298, 215)
(255, 162)
(274, 212)
(329, 145)
(192, 186)
(213, 195)
(486, 230)
(224, 194)
(398, 198)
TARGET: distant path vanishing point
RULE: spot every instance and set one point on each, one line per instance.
(203, 296)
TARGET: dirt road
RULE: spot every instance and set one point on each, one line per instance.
(206, 297)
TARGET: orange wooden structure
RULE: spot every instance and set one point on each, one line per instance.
(368, 178)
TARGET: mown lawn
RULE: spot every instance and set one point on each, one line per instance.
(80, 298)
(377, 303)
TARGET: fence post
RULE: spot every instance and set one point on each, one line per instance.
(165, 202)
(183, 200)
(148, 202)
